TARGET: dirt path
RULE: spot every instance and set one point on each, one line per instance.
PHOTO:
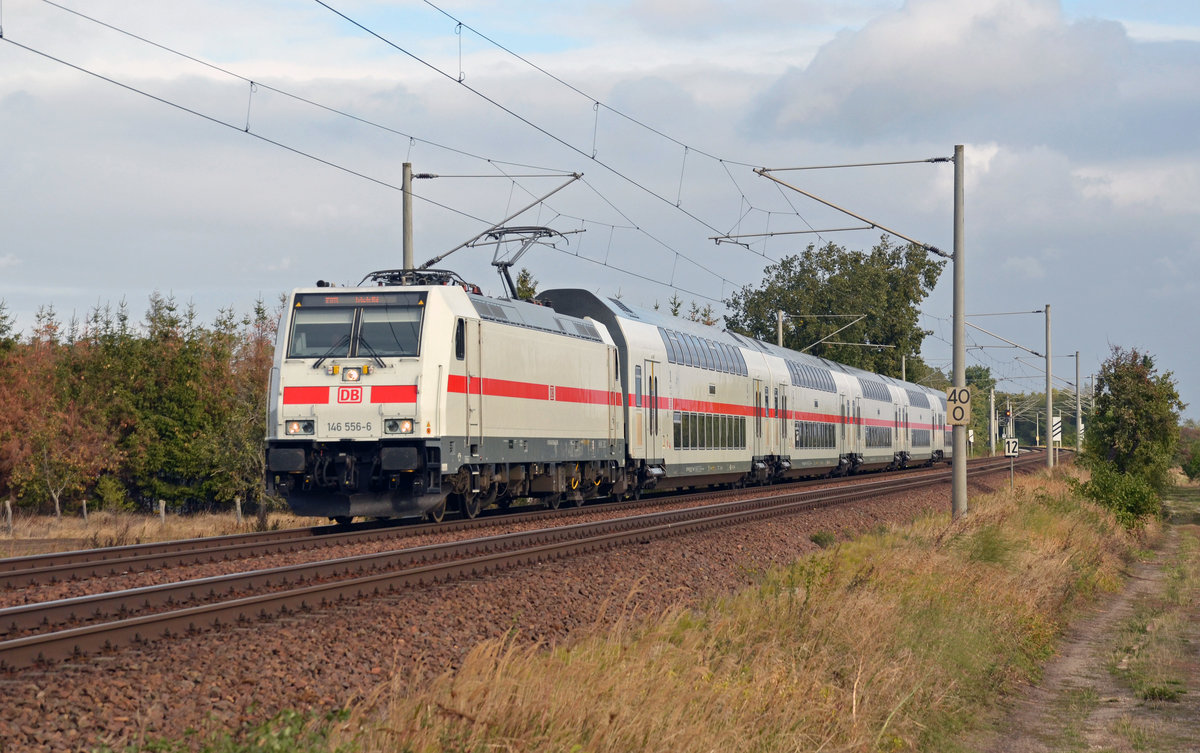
(1086, 701)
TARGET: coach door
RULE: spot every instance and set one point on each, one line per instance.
(849, 445)
(760, 407)
(613, 387)
(650, 409)
(474, 396)
(781, 419)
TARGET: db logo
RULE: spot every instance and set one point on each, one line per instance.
(349, 394)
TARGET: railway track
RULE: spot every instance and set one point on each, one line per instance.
(19, 572)
(55, 630)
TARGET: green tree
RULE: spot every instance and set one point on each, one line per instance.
(886, 285)
(1188, 454)
(1134, 427)
(8, 326)
(702, 314)
(235, 436)
(526, 285)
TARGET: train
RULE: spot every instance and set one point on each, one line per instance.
(413, 393)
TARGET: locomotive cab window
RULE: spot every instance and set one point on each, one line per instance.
(341, 325)
(320, 332)
(390, 331)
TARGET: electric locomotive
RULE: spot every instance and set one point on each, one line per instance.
(412, 391)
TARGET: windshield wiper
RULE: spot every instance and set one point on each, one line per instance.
(344, 341)
(362, 343)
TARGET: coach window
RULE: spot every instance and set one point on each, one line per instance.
(460, 340)
(677, 420)
(637, 378)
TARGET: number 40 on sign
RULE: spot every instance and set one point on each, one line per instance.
(958, 406)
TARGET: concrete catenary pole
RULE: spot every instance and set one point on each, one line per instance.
(959, 481)
(406, 190)
(992, 423)
(779, 327)
(1078, 409)
(1049, 399)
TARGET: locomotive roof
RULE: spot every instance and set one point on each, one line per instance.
(534, 316)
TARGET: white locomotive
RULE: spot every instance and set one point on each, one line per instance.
(413, 393)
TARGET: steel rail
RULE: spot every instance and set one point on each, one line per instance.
(26, 617)
(521, 549)
(40, 569)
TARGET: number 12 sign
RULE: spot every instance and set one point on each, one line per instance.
(958, 406)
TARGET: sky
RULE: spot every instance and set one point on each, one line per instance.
(223, 152)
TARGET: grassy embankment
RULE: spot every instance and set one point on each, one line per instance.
(899, 640)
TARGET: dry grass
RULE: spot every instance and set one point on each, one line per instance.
(36, 534)
(895, 641)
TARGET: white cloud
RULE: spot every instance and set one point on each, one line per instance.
(1172, 188)
(1152, 32)
(9, 260)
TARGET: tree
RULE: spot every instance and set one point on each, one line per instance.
(1188, 454)
(886, 285)
(702, 314)
(1134, 428)
(8, 337)
(52, 443)
(526, 285)
(234, 443)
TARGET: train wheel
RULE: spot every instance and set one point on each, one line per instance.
(437, 512)
(469, 505)
(342, 520)
(553, 501)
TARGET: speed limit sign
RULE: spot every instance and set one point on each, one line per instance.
(958, 406)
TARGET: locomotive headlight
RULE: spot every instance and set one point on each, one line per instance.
(398, 426)
(351, 374)
(293, 428)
